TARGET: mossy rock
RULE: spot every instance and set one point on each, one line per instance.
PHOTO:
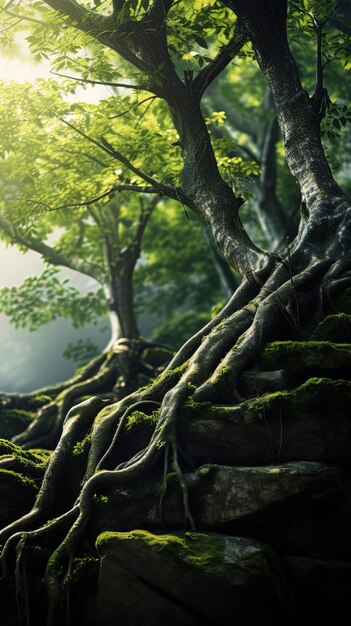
(188, 578)
(13, 422)
(30, 463)
(306, 356)
(335, 328)
(17, 495)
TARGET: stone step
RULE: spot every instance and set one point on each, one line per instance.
(192, 579)
(293, 506)
(308, 423)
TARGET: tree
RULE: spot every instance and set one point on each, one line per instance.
(280, 295)
(64, 198)
(103, 242)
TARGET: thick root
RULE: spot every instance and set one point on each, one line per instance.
(114, 373)
(207, 366)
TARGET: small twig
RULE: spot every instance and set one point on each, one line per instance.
(102, 82)
(104, 145)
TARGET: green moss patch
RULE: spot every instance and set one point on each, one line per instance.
(321, 395)
(14, 421)
(38, 456)
(198, 549)
(139, 420)
(336, 328)
(81, 447)
(297, 356)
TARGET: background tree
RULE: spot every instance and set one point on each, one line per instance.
(64, 198)
(281, 296)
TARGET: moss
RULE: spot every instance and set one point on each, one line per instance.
(105, 412)
(43, 399)
(302, 355)
(41, 454)
(38, 456)
(198, 549)
(99, 499)
(17, 413)
(170, 477)
(167, 380)
(82, 446)
(84, 568)
(336, 328)
(17, 479)
(139, 420)
(322, 395)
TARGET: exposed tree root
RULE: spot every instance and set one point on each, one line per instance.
(289, 303)
(115, 373)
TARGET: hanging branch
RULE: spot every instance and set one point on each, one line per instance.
(164, 190)
(102, 82)
(320, 96)
(117, 188)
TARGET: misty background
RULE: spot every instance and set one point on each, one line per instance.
(29, 360)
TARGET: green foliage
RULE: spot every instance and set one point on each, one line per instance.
(44, 298)
(338, 116)
(59, 183)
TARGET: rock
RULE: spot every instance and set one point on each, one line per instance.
(239, 500)
(13, 422)
(336, 328)
(190, 579)
(311, 357)
(306, 423)
(17, 495)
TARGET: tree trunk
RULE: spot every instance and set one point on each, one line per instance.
(281, 297)
(120, 299)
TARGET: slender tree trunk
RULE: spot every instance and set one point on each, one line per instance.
(121, 312)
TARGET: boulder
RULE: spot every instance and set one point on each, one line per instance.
(188, 578)
(241, 500)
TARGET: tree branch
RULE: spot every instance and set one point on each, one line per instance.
(102, 82)
(159, 11)
(164, 190)
(50, 254)
(7, 6)
(101, 27)
(85, 18)
(26, 18)
(227, 53)
(117, 188)
(144, 217)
